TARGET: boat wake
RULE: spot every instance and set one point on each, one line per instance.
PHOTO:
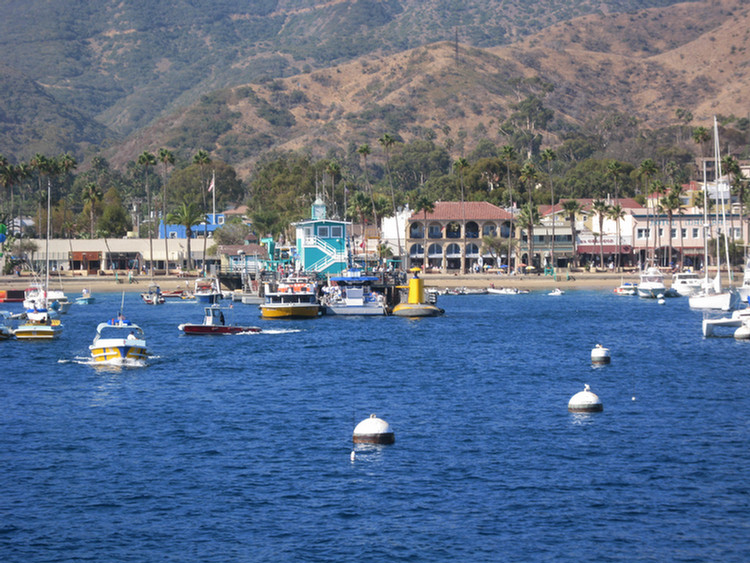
(278, 331)
(118, 363)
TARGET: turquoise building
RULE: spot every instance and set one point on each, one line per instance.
(322, 243)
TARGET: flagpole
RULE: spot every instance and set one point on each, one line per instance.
(213, 192)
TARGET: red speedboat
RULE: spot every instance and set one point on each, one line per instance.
(215, 323)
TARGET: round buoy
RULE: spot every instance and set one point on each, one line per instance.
(585, 401)
(661, 301)
(373, 430)
(600, 355)
(743, 332)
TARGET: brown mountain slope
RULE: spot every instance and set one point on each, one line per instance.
(692, 56)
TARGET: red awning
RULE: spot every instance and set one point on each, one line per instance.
(608, 249)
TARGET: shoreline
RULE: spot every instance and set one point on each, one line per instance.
(107, 283)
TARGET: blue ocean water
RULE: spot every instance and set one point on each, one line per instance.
(237, 448)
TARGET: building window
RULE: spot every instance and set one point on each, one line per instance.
(489, 230)
(337, 231)
(308, 232)
(172, 234)
(695, 232)
(673, 232)
(435, 231)
(643, 233)
(323, 231)
(220, 219)
(683, 232)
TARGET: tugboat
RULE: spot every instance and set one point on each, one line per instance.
(416, 305)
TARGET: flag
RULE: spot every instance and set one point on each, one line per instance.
(213, 183)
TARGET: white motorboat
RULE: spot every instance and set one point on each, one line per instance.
(626, 288)
(686, 283)
(55, 299)
(652, 285)
(744, 289)
(207, 290)
(352, 294)
(556, 291)
(506, 291)
(119, 342)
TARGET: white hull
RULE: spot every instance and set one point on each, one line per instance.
(652, 291)
(725, 301)
(355, 310)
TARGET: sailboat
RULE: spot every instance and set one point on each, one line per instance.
(39, 323)
(712, 295)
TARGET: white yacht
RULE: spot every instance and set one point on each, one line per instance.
(686, 283)
(652, 285)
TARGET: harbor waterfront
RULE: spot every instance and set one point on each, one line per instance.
(238, 447)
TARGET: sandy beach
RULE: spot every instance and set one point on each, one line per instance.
(107, 283)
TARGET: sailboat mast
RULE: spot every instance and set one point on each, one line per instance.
(706, 225)
(46, 245)
(717, 152)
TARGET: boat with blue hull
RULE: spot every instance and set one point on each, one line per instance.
(207, 290)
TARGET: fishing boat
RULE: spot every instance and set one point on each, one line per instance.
(37, 296)
(40, 324)
(207, 290)
(351, 294)
(686, 283)
(119, 342)
(153, 296)
(416, 305)
(712, 295)
(86, 298)
(626, 288)
(214, 322)
(294, 297)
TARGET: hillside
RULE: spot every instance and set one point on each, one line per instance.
(125, 65)
(690, 56)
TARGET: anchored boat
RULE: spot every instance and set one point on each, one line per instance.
(290, 298)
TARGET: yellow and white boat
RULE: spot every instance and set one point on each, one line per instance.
(39, 325)
(416, 304)
(119, 342)
(291, 298)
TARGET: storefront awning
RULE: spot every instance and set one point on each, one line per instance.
(608, 249)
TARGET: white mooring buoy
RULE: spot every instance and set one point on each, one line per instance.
(661, 301)
(600, 355)
(373, 430)
(743, 332)
(585, 401)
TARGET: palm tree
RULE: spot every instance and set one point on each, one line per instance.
(387, 141)
(572, 207)
(420, 202)
(364, 152)
(671, 203)
(358, 207)
(202, 159)
(602, 209)
(167, 159)
(529, 176)
(528, 218)
(91, 195)
(188, 215)
(731, 167)
(548, 156)
(147, 159)
(616, 213)
(459, 166)
(509, 155)
(333, 169)
(657, 188)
